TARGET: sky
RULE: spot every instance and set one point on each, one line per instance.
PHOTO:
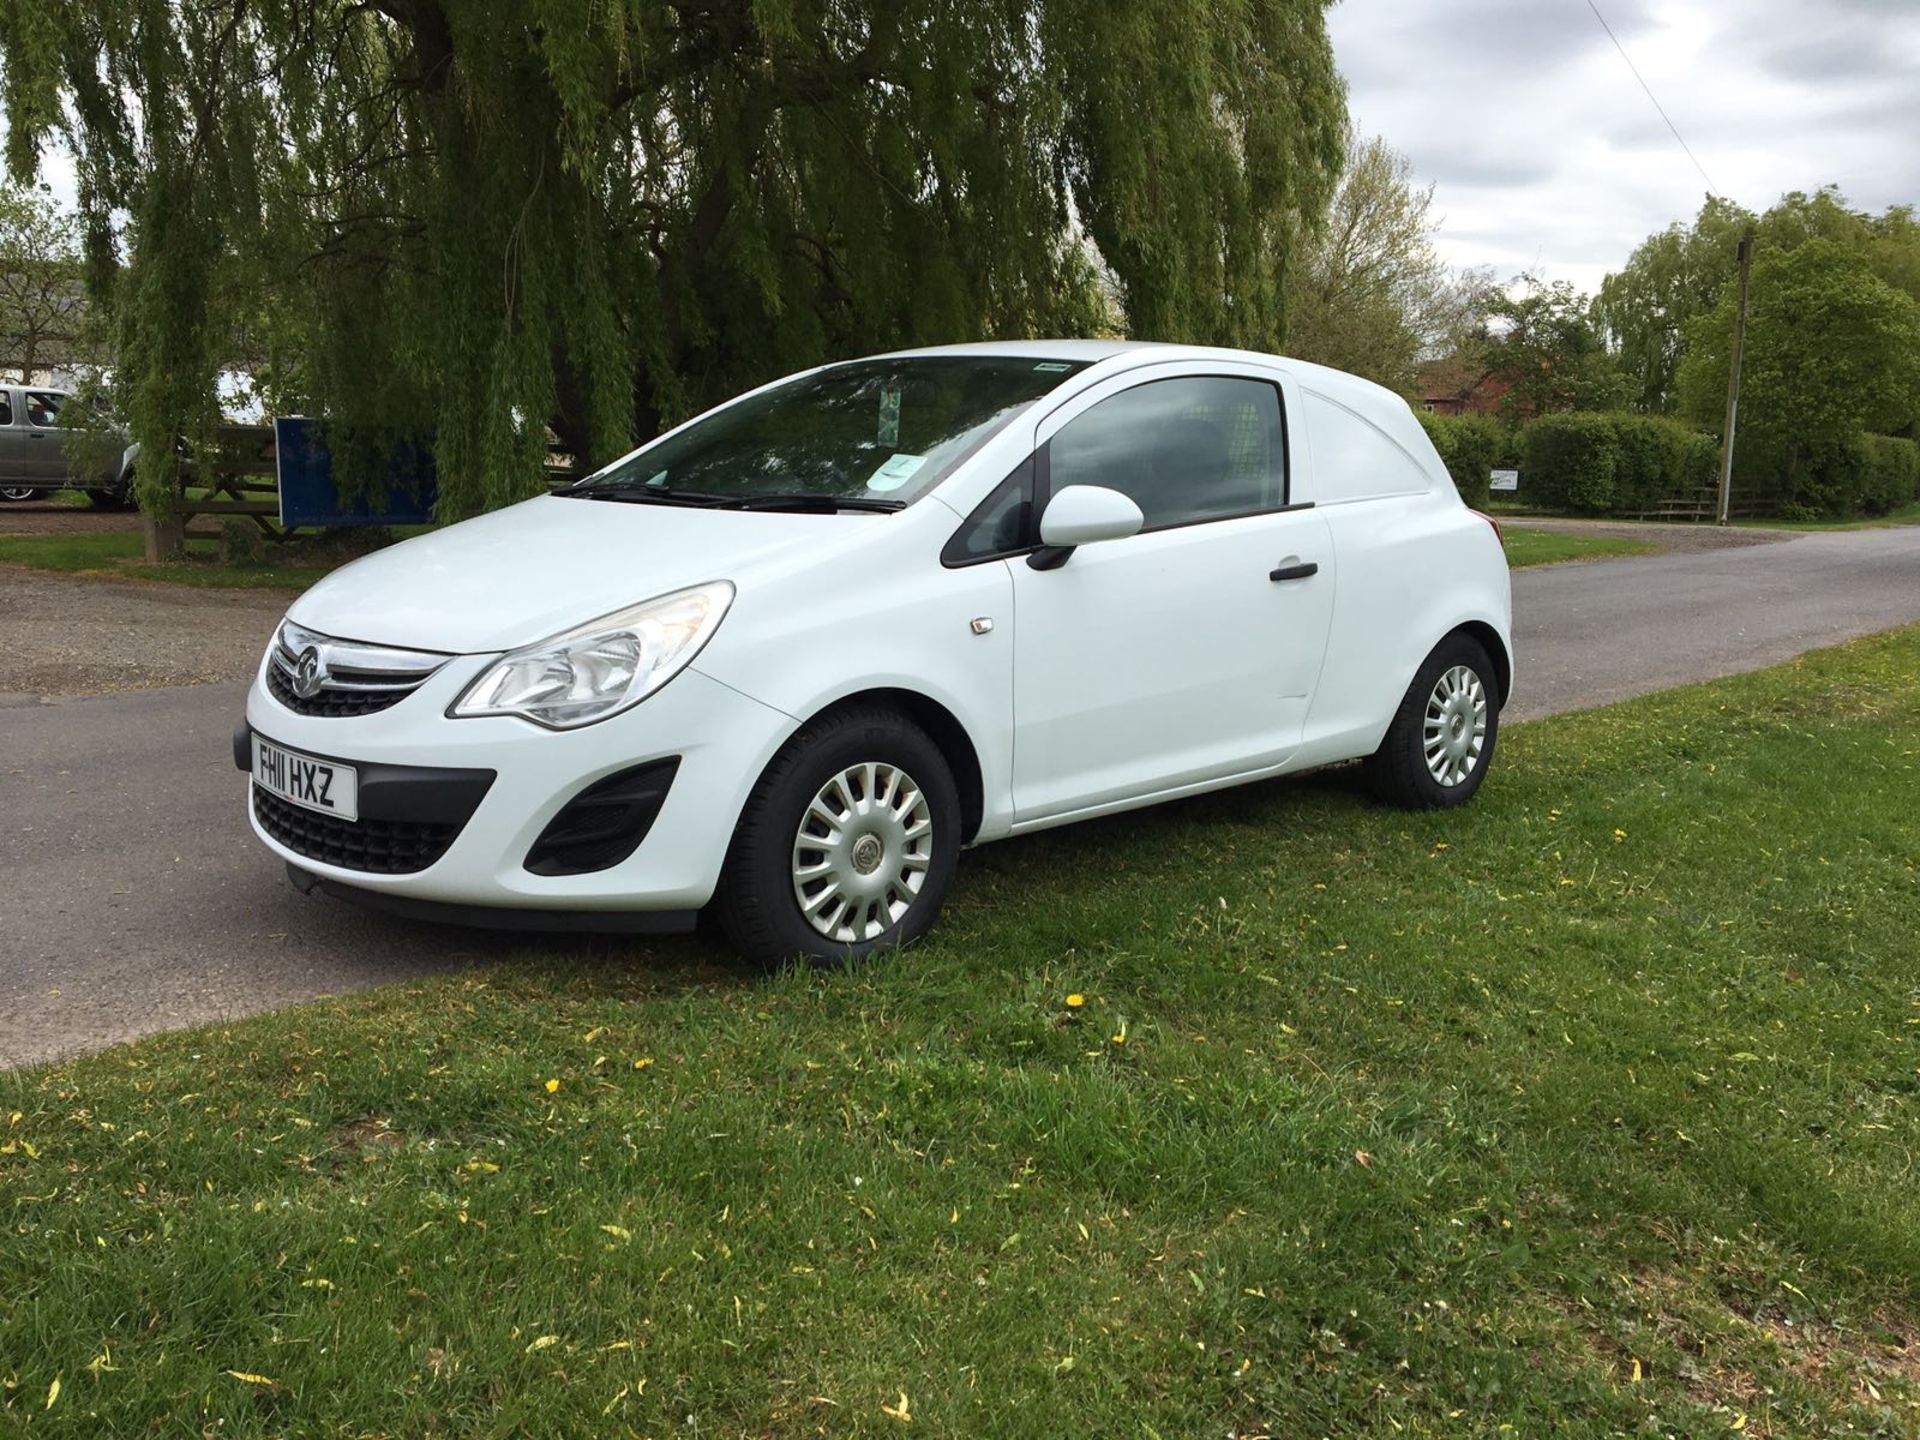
(1545, 155)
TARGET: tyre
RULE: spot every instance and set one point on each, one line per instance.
(1441, 740)
(16, 492)
(847, 844)
(111, 499)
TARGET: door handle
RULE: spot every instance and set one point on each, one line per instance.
(1294, 572)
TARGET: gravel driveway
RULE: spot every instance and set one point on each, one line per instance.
(68, 636)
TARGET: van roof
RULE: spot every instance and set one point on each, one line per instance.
(1376, 402)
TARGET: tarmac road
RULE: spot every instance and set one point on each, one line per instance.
(135, 898)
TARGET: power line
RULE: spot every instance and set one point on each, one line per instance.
(1712, 189)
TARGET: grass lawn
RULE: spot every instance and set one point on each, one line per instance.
(118, 553)
(1906, 515)
(1549, 547)
(1585, 1111)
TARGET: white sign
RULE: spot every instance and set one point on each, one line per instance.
(1505, 480)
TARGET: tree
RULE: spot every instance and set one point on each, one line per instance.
(1683, 272)
(1542, 341)
(43, 310)
(1832, 350)
(1670, 279)
(464, 218)
(1370, 294)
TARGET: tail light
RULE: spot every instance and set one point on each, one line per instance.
(1494, 523)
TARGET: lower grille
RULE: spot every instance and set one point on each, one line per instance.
(379, 847)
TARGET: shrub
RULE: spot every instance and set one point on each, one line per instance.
(1658, 459)
(1892, 477)
(1572, 462)
(1470, 446)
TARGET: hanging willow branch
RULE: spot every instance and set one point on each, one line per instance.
(465, 221)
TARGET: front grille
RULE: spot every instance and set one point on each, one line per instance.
(354, 678)
(379, 847)
(330, 702)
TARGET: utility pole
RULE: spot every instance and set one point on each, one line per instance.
(1733, 378)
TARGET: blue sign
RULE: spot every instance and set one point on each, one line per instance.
(308, 496)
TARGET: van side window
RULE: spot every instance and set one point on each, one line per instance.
(1199, 447)
(6, 407)
(999, 525)
(1353, 459)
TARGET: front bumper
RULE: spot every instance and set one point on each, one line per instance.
(418, 765)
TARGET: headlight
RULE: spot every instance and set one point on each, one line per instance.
(602, 667)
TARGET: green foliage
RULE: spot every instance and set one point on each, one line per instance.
(1833, 356)
(1682, 274)
(1370, 295)
(1837, 479)
(1544, 343)
(43, 309)
(1831, 350)
(1892, 474)
(472, 221)
(1615, 462)
(1572, 462)
(1657, 458)
(1670, 279)
(1470, 446)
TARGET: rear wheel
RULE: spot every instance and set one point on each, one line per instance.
(16, 492)
(847, 845)
(1441, 741)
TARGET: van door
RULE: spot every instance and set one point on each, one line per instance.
(1188, 652)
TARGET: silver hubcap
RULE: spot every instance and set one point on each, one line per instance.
(1456, 728)
(861, 853)
(16, 492)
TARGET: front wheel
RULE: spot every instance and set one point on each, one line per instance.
(847, 845)
(121, 499)
(1440, 743)
(17, 492)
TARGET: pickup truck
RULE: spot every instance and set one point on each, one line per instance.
(34, 458)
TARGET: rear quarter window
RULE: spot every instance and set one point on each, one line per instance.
(1354, 459)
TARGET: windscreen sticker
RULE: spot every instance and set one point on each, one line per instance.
(1052, 367)
(895, 471)
(889, 417)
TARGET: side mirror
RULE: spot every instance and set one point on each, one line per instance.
(1084, 514)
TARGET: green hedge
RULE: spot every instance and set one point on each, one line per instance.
(1598, 464)
(1892, 476)
(1470, 446)
(1866, 475)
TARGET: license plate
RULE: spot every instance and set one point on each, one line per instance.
(322, 785)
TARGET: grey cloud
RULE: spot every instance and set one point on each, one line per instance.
(1545, 153)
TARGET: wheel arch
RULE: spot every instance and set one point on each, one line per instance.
(1491, 641)
(946, 731)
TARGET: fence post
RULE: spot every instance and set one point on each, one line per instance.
(166, 537)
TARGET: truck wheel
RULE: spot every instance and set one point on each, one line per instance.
(847, 845)
(1441, 740)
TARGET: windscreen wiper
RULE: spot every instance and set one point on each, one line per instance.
(647, 495)
(807, 501)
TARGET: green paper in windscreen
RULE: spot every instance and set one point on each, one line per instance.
(889, 435)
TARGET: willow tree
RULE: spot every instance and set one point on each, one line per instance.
(459, 219)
